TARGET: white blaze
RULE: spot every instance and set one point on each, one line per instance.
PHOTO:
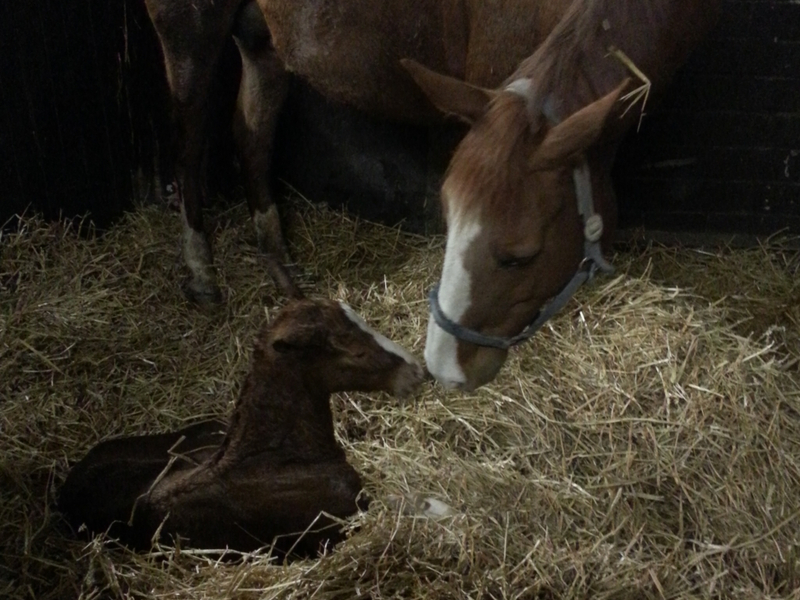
(454, 294)
(382, 340)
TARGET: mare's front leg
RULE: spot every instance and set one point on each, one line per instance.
(192, 34)
(262, 92)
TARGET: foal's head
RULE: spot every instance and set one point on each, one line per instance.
(514, 233)
(336, 350)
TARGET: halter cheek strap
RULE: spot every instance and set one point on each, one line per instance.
(592, 256)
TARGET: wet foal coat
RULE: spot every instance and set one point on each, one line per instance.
(271, 473)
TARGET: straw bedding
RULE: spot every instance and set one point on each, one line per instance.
(646, 444)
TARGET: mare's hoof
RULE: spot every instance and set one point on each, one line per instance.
(202, 294)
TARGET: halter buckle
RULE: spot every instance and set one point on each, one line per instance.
(593, 229)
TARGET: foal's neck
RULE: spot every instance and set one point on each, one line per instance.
(282, 415)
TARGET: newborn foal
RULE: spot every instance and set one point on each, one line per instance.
(274, 471)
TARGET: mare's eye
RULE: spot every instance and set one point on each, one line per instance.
(512, 262)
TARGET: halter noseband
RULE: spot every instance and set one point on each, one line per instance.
(592, 254)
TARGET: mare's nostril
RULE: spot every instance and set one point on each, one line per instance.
(451, 384)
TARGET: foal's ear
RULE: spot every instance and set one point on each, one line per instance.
(298, 338)
(450, 95)
(576, 133)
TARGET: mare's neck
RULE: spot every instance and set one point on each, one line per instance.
(573, 66)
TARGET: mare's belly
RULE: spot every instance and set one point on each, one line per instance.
(350, 50)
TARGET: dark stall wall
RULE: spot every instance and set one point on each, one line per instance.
(75, 105)
(382, 171)
(722, 153)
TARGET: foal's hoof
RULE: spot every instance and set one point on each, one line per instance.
(202, 294)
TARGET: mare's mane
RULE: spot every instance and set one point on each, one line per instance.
(573, 67)
(570, 70)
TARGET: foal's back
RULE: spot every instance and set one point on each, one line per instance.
(102, 489)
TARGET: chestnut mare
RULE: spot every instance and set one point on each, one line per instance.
(514, 234)
(350, 50)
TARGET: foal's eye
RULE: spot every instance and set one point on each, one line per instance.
(512, 262)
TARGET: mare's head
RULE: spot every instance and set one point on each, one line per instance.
(515, 237)
(335, 349)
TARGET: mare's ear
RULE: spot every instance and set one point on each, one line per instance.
(576, 133)
(450, 95)
(298, 338)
